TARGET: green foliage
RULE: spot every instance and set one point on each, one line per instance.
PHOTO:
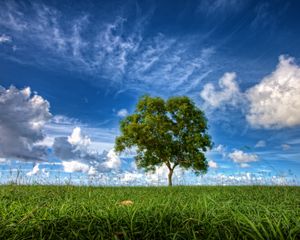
(172, 132)
(68, 212)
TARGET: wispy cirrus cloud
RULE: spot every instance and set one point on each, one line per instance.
(115, 50)
(220, 6)
(267, 16)
(260, 144)
(4, 38)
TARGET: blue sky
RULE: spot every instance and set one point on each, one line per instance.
(70, 70)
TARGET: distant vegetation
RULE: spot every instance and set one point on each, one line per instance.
(68, 212)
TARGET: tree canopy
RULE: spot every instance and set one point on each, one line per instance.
(171, 132)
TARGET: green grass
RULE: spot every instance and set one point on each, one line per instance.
(68, 212)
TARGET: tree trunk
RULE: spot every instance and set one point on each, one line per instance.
(170, 177)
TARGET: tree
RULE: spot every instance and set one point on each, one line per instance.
(171, 132)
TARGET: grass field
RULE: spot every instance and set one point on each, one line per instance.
(69, 212)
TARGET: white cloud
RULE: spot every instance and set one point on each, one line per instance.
(92, 171)
(37, 171)
(122, 112)
(75, 166)
(34, 171)
(221, 149)
(244, 165)
(61, 126)
(45, 172)
(77, 150)
(212, 164)
(139, 177)
(113, 161)
(22, 118)
(4, 38)
(239, 156)
(229, 92)
(75, 146)
(244, 178)
(131, 177)
(46, 142)
(42, 26)
(160, 175)
(77, 138)
(260, 143)
(64, 120)
(114, 49)
(275, 101)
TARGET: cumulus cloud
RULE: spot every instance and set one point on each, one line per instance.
(128, 178)
(212, 164)
(4, 38)
(113, 161)
(260, 143)
(62, 126)
(122, 112)
(228, 92)
(75, 166)
(22, 118)
(34, 170)
(78, 139)
(241, 157)
(37, 171)
(275, 101)
(75, 146)
(77, 154)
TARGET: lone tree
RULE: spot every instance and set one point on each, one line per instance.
(172, 132)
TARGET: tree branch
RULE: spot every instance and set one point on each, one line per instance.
(168, 165)
(175, 164)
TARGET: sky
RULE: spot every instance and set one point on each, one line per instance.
(71, 70)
